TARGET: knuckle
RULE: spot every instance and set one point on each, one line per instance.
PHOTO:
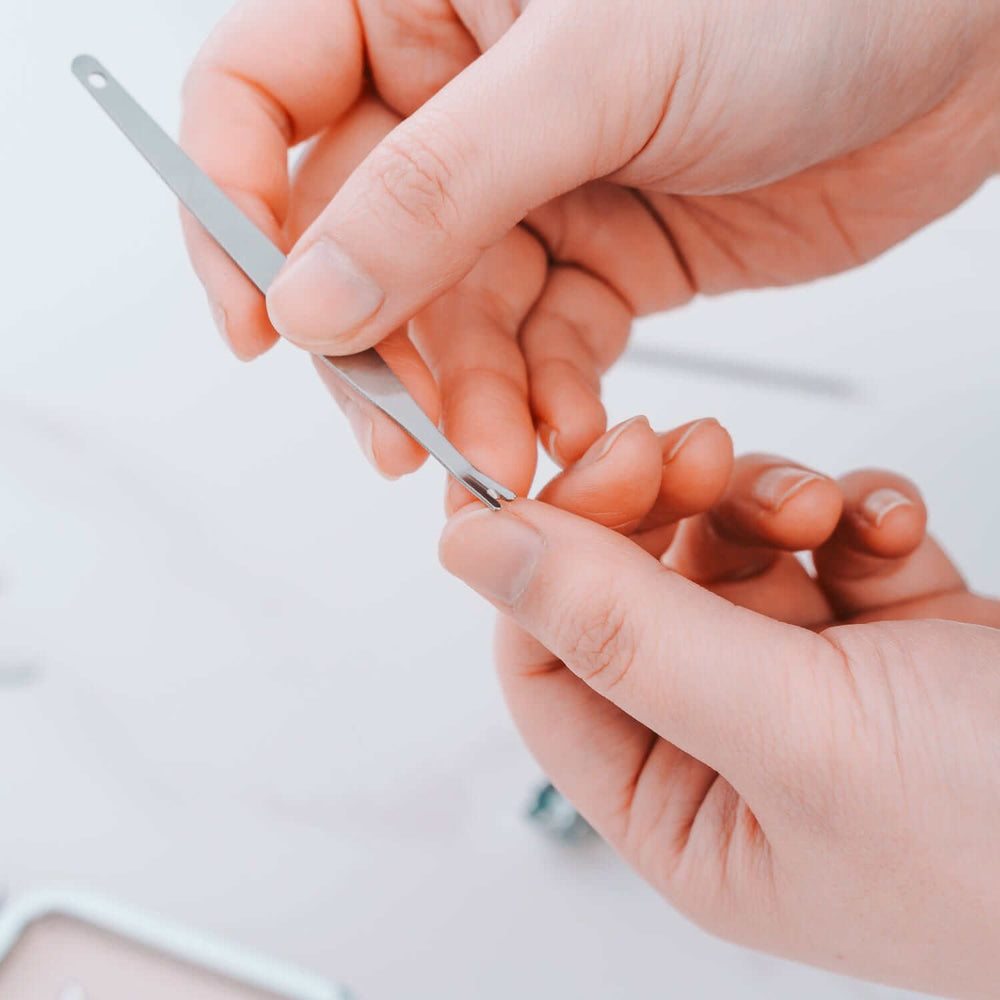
(413, 172)
(420, 22)
(604, 650)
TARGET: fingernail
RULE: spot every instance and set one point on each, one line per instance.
(685, 437)
(881, 502)
(321, 296)
(494, 553)
(364, 432)
(221, 324)
(550, 441)
(601, 448)
(775, 487)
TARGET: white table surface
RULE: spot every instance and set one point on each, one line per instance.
(238, 690)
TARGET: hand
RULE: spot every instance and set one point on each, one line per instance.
(828, 796)
(655, 151)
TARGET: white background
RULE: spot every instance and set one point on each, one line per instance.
(237, 688)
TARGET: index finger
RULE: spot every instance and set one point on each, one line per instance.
(269, 76)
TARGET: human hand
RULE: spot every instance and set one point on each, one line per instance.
(737, 148)
(825, 795)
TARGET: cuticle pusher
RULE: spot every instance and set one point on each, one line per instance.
(260, 260)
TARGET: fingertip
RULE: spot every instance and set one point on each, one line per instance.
(394, 452)
(494, 552)
(807, 518)
(697, 464)
(243, 326)
(881, 554)
(236, 306)
(323, 301)
(569, 413)
(456, 497)
(779, 503)
(575, 330)
(884, 514)
(895, 532)
(548, 438)
(386, 446)
(488, 420)
(616, 481)
(391, 451)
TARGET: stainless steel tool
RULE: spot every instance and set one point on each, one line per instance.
(260, 260)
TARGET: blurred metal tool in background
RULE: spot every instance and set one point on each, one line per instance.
(260, 260)
(764, 376)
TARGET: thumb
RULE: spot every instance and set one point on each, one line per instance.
(517, 127)
(722, 683)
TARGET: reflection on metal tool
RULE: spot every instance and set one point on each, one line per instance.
(260, 260)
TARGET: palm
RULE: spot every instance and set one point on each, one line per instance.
(716, 846)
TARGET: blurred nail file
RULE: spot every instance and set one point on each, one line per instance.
(260, 260)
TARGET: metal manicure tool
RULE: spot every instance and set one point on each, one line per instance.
(260, 260)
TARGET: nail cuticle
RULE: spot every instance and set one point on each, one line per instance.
(776, 486)
(684, 438)
(551, 437)
(880, 503)
(601, 448)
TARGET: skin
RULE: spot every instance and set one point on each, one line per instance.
(493, 192)
(802, 762)
(634, 155)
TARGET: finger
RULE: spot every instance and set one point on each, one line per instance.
(880, 554)
(451, 180)
(884, 516)
(777, 502)
(656, 645)
(642, 484)
(616, 482)
(616, 263)
(740, 549)
(575, 313)
(696, 462)
(414, 49)
(783, 589)
(319, 173)
(385, 444)
(953, 605)
(622, 777)
(614, 232)
(469, 338)
(236, 305)
(245, 93)
(770, 506)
